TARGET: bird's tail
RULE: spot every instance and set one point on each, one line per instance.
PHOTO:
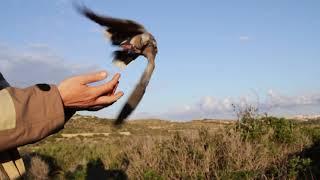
(123, 58)
(137, 94)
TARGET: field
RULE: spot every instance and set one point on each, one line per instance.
(251, 148)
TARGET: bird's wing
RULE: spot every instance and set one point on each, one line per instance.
(137, 94)
(119, 29)
(123, 58)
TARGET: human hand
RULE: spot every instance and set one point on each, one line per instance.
(78, 95)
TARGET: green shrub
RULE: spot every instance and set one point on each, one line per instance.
(254, 128)
(282, 129)
(250, 125)
(313, 133)
(297, 165)
(79, 173)
(242, 175)
(152, 175)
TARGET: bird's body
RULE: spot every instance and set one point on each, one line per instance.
(134, 40)
(132, 48)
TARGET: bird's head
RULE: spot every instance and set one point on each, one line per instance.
(143, 44)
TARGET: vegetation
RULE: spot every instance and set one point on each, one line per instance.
(254, 147)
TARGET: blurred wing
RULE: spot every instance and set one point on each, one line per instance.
(123, 58)
(137, 94)
(119, 29)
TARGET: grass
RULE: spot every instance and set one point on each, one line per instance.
(257, 147)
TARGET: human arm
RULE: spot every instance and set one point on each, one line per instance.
(31, 114)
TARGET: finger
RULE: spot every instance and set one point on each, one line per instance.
(114, 89)
(107, 100)
(107, 87)
(92, 77)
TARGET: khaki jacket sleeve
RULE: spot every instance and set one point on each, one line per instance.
(29, 115)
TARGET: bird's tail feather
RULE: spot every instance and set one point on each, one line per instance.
(136, 95)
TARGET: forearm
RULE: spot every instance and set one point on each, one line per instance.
(28, 115)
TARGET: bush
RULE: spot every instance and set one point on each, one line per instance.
(297, 165)
(250, 125)
(313, 133)
(282, 129)
(253, 127)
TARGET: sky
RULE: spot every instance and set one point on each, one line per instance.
(212, 54)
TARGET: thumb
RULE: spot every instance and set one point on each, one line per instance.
(92, 77)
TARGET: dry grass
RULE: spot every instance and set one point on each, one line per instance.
(38, 169)
(170, 150)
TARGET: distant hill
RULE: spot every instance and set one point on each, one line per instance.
(305, 117)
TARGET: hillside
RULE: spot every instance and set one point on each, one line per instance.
(91, 148)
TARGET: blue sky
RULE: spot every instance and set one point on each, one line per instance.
(211, 53)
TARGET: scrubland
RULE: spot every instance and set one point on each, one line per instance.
(252, 147)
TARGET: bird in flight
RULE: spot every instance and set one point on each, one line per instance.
(133, 40)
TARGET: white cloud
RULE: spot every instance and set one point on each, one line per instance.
(273, 103)
(279, 100)
(37, 64)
